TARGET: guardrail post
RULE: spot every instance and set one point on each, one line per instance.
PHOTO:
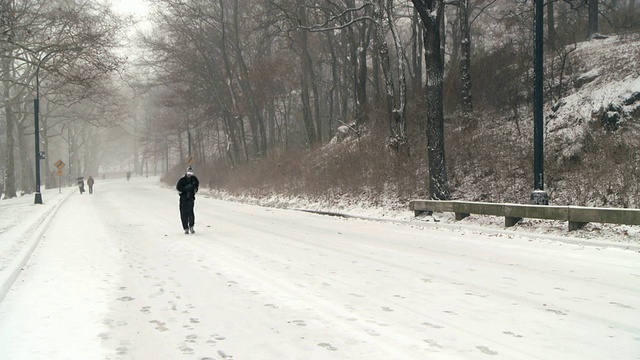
(576, 225)
(510, 221)
(460, 216)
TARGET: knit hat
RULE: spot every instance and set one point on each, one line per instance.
(189, 171)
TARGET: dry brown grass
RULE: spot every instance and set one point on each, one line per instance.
(490, 162)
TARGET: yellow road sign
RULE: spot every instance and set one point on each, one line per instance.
(59, 164)
(190, 160)
(59, 172)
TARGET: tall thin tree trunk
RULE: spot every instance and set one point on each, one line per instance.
(243, 137)
(465, 61)
(630, 14)
(9, 175)
(416, 53)
(27, 177)
(593, 18)
(256, 121)
(363, 71)
(234, 136)
(305, 75)
(396, 103)
(231, 147)
(316, 100)
(430, 12)
(361, 81)
(333, 92)
(50, 181)
(7, 64)
(346, 70)
(375, 69)
(551, 26)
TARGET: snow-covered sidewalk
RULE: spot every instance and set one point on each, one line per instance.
(21, 226)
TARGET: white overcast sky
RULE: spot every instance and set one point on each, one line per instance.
(134, 7)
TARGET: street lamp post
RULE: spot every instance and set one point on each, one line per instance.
(539, 196)
(36, 114)
(38, 198)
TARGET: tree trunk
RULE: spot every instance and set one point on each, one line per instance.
(9, 175)
(305, 79)
(233, 135)
(136, 156)
(456, 37)
(430, 12)
(243, 137)
(443, 34)
(27, 169)
(396, 104)
(334, 100)
(375, 69)
(346, 75)
(593, 18)
(416, 54)
(256, 121)
(630, 15)
(361, 77)
(50, 181)
(316, 100)
(465, 61)
(383, 51)
(7, 64)
(551, 26)
(271, 122)
(230, 145)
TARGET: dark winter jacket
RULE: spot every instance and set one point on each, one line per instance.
(187, 187)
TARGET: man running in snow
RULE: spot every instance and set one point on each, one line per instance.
(187, 188)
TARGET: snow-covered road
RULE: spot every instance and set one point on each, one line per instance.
(114, 277)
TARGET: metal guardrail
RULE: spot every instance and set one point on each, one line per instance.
(577, 216)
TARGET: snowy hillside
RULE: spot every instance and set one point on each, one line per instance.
(604, 91)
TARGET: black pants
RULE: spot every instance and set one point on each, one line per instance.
(187, 216)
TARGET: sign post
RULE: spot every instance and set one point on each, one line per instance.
(59, 164)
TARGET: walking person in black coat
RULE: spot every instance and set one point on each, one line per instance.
(90, 182)
(187, 188)
(81, 184)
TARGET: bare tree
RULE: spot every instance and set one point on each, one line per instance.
(7, 33)
(256, 119)
(431, 12)
(305, 73)
(68, 44)
(396, 103)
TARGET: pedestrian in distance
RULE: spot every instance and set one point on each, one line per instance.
(81, 184)
(187, 188)
(90, 183)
